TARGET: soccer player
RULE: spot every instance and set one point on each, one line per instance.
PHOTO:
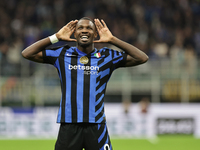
(84, 72)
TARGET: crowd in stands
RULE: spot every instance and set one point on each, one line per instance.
(163, 29)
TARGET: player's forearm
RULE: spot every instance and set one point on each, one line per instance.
(35, 48)
(131, 50)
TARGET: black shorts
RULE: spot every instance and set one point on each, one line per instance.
(76, 136)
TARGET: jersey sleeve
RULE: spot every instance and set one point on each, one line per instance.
(118, 59)
(50, 56)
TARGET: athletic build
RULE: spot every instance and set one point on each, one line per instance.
(84, 72)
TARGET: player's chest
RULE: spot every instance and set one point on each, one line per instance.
(88, 65)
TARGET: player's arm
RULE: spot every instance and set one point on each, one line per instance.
(34, 51)
(135, 56)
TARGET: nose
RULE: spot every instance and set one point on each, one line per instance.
(84, 30)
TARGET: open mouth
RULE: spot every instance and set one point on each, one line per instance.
(84, 38)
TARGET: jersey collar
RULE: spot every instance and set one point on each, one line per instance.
(82, 53)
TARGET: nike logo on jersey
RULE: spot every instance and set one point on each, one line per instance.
(70, 54)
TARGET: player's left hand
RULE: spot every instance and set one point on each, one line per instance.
(103, 31)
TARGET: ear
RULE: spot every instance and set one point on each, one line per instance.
(74, 34)
(95, 34)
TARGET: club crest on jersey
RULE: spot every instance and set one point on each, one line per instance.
(84, 60)
(98, 55)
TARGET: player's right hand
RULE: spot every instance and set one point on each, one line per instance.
(65, 32)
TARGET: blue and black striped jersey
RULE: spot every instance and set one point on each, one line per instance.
(83, 81)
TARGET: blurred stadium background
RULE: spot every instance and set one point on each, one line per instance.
(159, 98)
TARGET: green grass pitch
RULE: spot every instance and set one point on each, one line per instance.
(160, 143)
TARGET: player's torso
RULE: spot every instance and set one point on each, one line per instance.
(95, 65)
(84, 79)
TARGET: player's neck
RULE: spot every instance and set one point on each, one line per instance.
(87, 49)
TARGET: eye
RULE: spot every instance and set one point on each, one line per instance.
(80, 28)
(89, 28)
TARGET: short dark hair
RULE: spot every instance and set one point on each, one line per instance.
(86, 18)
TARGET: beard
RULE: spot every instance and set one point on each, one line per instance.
(84, 45)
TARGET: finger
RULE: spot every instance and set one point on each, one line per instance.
(96, 41)
(95, 22)
(73, 26)
(73, 29)
(104, 24)
(75, 23)
(99, 24)
(69, 24)
(72, 23)
(72, 40)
